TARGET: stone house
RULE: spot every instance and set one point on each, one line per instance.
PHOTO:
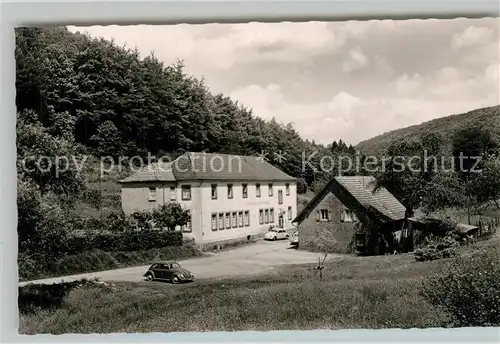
(344, 205)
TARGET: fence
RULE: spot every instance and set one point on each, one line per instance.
(487, 225)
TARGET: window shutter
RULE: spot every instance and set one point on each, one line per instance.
(318, 215)
(330, 215)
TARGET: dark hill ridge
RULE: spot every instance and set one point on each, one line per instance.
(488, 117)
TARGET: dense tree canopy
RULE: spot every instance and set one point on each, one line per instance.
(422, 174)
(113, 103)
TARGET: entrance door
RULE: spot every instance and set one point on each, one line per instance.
(280, 221)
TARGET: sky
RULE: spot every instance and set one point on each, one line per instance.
(335, 80)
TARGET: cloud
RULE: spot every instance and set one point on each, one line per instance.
(471, 37)
(355, 60)
(447, 75)
(406, 85)
(350, 80)
(383, 66)
(223, 45)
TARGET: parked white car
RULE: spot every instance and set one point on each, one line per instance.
(276, 234)
(294, 240)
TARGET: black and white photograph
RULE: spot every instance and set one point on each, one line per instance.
(318, 175)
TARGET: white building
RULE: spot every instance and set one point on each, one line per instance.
(228, 196)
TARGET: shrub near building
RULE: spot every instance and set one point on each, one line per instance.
(121, 241)
(469, 291)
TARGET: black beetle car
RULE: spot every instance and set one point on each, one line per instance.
(168, 271)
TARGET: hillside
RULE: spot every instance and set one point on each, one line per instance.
(488, 118)
(104, 100)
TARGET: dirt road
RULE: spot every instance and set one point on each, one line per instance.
(258, 258)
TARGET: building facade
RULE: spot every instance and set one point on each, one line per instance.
(328, 227)
(328, 222)
(229, 197)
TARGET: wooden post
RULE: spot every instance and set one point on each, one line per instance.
(320, 270)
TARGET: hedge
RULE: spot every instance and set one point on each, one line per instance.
(90, 261)
(123, 241)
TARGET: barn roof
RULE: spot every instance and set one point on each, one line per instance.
(210, 166)
(363, 190)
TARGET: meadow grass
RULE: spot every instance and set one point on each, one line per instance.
(356, 292)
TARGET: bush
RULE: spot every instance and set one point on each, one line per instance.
(97, 260)
(441, 247)
(123, 241)
(83, 262)
(444, 248)
(27, 266)
(86, 224)
(145, 240)
(116, 221)
(143, 220)
(93, 197)
(469, 292)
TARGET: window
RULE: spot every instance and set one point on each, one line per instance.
(280, 196)
(214, 221)
(247, 218)
(257, 190)
(173, 196)
(266, 219)
(346, 216)
(235, 220)
(229, 190)
(221, 220)
(271, 215)
(290, 213)
(261, 216)
(245, 190)
(270, 186)
(152, 194)
(287, 189)
(228, 220)
(186, 192)
(187, 228)
(214, 191)
(323, 215)
(240, 218)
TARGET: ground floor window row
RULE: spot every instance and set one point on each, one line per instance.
(227, 220)
(267, 215)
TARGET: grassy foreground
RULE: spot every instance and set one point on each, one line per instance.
(370, 292)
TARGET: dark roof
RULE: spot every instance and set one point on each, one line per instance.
(210, 166)
(429, 224)
(362, 190)
(154, 172)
